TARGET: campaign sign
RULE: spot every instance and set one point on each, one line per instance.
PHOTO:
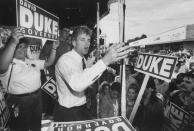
(33, 51)
(177, 118)
(4, 111)
(106, 124)
(36, 22)
(158, 66)
(50, 88)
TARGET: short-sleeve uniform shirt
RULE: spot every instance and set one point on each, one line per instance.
(25, 76)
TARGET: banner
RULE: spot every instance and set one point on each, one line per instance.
(4, 111)
(50, 88)
(158, 66)
(106, 124)
(177, 118)
(36, 22)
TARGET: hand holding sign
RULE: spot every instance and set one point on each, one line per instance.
(55, 44)
(16, 35)
(161, 88)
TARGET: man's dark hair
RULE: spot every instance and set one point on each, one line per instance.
(116, 86)
(104, 85)
(81, 30)
(22, 40)
(189, 74)
(179, 78)
(134, 87)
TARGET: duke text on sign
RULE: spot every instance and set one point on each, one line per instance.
(50, 88)
(36, 22)
(177, 117)
(158, 66)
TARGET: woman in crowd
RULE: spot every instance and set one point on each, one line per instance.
(131, 98)
(104, 90)
(149, 116)
(110, 105)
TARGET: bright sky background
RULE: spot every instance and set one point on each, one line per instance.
(148, 17)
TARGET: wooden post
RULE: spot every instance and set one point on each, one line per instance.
(139, 97)
(98, 44)
(121, 8)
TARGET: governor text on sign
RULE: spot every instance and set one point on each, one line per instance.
(36, 22)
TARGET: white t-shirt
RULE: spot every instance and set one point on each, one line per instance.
(25, 76)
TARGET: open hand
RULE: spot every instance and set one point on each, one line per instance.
(115, 53)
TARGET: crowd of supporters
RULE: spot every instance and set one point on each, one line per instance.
(104, 98)
(152, 113)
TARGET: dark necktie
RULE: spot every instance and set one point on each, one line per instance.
(86, 91)
(83, 64)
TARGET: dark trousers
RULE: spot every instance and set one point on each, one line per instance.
(48, 104)
(30, 111)
(63, 114)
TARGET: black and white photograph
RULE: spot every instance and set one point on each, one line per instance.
(96, 65)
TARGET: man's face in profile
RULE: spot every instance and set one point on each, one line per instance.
(192, 66)
(82, 44)
(188, 84)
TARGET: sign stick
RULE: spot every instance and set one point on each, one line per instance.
(121, 11)
(17, 16)
(139, 97)
(98, 44)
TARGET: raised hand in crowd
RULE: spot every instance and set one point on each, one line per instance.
(161, 86)
(7, 53)
(111, 70)
(56, 44)
(16, 35)
(52, 56)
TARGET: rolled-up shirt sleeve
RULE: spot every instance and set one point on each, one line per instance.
(80, 80)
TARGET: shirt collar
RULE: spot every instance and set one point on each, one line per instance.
(18, 61)
(76, 55)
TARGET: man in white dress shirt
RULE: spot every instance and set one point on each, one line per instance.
(72, 79)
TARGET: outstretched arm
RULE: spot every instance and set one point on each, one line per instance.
(90, 75)
(115, 53)
(7, 53)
